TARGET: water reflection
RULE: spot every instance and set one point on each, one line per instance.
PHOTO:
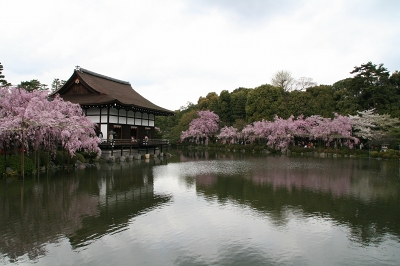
(83, 206)
(361, 194)
(205, 208)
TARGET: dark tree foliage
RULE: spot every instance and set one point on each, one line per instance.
(172, 126)
(57, 84)
(32, 85)
(225, 108)
(264, 102)
(210, 102)
(238, 104)
(3, 82)
(395, 80)
(370, 85)
(321, 101)
(298, 103)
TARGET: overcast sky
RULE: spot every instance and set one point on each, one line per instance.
(172, 52)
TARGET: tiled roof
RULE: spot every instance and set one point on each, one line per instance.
(106, 90)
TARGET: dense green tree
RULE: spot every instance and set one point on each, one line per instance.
(238, 103)
(321, 101)
(264, 102)
(166, 125)
(395, 80)
(32, 85)
(346, 102)
(183, 124)
(370, 86)
(298, 103)
(210, 102)
(57, 84)
(225, 111)
(3, 82)
(240, 124)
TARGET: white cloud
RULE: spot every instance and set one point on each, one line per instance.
(173, 52)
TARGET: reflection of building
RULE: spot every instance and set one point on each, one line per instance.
(113, 104)
(82, 208)
(116, 208)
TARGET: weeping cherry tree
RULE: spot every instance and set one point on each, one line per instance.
(202, 127)
(33, 121)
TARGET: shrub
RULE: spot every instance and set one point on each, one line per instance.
(374, 154)
(44, 157)
(248, 147)
(14, 162)
(390, 151)
(2, 165)
(297, 149)
(89, 156)
(258, 148)
(79, 157)
(61, 157)
(344, 151)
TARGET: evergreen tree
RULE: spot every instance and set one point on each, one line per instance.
(3, 82)
(57, 84)
(225, 111)
(370, 86)
(264, 102)
(32, 85)
(238, 104)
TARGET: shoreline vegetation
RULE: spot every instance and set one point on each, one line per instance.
(43, 161)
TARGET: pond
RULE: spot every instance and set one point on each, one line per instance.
(206, 208)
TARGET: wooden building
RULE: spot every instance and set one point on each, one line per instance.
(112, 104)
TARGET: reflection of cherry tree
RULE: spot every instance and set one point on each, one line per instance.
(49, 213)
(202, 127)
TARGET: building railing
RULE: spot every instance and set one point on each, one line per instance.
(135, 142)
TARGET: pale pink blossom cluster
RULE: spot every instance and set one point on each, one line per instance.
(34, 121)
(202, 127)
(279, 133)
(228, 134)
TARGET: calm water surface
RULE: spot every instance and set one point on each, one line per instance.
(200, 208)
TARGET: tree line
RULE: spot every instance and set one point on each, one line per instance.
(33, 84)
(372, 87)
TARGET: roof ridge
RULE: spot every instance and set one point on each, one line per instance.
(83, 70)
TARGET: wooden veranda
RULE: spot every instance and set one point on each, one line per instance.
(137, 144)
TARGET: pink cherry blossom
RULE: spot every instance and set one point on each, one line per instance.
(37, 122)
(228, 134)
(202, 127)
